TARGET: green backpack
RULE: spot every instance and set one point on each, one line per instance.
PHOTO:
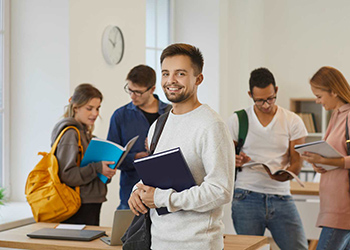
(242, 133)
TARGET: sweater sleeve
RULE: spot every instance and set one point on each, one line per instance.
(216, 152)
(67, 156)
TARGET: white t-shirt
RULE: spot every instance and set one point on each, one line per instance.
(269, 145)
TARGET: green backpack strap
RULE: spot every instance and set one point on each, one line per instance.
(242, 129)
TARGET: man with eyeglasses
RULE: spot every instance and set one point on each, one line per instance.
(261, 200)
(133, 119)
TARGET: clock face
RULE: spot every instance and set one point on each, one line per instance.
(112, 44)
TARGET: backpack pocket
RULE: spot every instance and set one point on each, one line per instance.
(46, 204)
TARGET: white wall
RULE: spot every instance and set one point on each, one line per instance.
(198, 23)
(39, 82)
(56, 45)
(88, 19)
(293, 38)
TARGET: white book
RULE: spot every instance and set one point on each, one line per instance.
(71, 226)
(322, 148)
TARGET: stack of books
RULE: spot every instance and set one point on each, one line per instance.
(309, 121)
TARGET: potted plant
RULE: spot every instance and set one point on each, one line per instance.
(2, 196)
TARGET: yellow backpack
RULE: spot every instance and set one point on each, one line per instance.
(51, 200)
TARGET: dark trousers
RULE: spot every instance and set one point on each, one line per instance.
(88, 214)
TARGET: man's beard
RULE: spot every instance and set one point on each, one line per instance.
(177, 98)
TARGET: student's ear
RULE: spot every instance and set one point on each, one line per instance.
(250, 94)
(333, 94)
(199, 79)
(276, 90)
(152, 89)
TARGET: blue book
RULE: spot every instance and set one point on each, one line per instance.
(167, 169)
(104, 150)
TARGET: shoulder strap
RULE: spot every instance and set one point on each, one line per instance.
(54, 146)
(158, 130)
(242, 128)
(53, 172)
(168, 108)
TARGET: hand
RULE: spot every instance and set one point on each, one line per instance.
(320, 170)
(241, 159)
(147, 195)
(312, 157)
(107, 171)
(136, 204)
(279, 177)
(146, 144)
(141, 155)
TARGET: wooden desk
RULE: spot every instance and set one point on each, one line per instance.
(311, 188)
(244, 242)
(16, 238)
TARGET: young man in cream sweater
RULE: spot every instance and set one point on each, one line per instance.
(195, 221)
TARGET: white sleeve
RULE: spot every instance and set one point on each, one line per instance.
(233, 126)
(217, 154)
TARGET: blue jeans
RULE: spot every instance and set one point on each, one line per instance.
(122, 207)
(253, 212)
(332, 238)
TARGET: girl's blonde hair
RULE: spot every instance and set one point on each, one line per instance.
(330, 79)
(83, 93)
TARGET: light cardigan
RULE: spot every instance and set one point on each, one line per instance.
(334, 185)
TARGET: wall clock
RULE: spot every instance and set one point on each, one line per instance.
(112, 44)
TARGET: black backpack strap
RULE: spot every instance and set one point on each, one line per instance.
(347, 140)
(242, 129)
(168, 108)
(158, 130)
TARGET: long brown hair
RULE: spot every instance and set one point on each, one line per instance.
(330, 79)
(83, 93)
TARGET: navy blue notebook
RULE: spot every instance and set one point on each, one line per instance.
(167, 169)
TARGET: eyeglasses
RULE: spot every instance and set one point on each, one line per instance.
(135, 92)
(261, 102)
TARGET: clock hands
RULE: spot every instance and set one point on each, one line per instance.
(112, 42)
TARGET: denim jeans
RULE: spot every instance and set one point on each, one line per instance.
(253, 212)
(332, 238)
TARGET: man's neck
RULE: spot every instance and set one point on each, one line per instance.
(151, 106)
(186, 106)
(265, 118)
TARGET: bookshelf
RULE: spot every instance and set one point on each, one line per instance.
(319, 118)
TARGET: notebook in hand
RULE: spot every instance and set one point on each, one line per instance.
(321, 148)
(104, 150)
(167, 169)
(66, 234)
(121, 221)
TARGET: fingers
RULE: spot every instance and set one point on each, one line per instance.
(135, 204)
(319, 169)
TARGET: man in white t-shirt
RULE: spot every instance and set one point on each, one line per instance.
(195, 221)
(260, 200)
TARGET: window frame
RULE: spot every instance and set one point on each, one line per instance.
(5, 30)
(157, 49)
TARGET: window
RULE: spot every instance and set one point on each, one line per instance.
(157, 36)
(4, 100)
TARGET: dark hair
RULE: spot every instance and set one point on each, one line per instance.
(261, 78)
(187, 50)
(330, 79)
(142, 75)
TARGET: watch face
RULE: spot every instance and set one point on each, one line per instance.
(112, 44)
